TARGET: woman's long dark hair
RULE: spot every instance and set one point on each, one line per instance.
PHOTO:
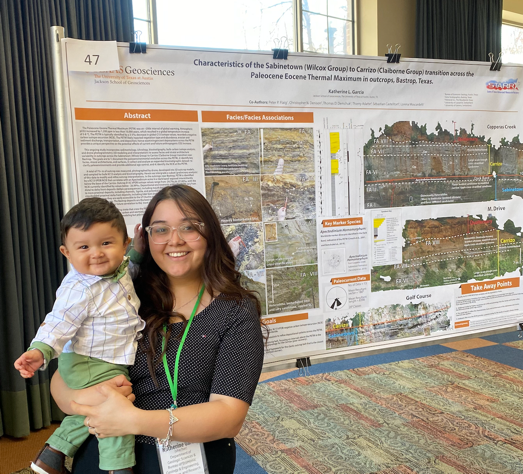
(219, 275)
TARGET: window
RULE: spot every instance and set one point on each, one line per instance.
(322, 26)
(328, 26)
(142, 21)
(512, 44)
(230, 24)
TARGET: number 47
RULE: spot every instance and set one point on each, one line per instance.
(89, 61)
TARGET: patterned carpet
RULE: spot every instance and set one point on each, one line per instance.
(28, 470)
(447, 413)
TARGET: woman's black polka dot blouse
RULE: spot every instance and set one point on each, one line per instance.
(223, 354)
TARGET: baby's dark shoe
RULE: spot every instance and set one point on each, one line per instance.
(49, 461)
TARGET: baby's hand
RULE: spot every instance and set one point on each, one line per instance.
(139, 239)
(29, 362)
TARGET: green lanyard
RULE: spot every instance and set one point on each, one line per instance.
(174, 383)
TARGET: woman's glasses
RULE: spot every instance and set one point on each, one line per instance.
(161, 233)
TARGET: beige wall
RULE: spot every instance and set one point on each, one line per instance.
(382, 22)
(515, 6)
(367, 27)
(397, 25)
(513, 11)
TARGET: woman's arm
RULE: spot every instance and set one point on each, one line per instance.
(241, 353)
(220, 417)
(63, 395)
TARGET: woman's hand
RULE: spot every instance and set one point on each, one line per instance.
(113, 417)
(139, 239)
(64, 396)
(121, 385)
(221, 417)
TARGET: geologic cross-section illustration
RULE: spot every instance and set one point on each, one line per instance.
(405, 165)
(451, 250)
(387, 323)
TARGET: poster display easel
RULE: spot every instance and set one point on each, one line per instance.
(371, 204)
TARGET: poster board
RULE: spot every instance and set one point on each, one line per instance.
(369, 204)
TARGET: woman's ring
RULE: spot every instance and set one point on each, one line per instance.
(96, 433)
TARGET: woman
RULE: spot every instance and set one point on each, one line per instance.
(187, 267)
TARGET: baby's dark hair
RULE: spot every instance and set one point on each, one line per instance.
(90, 211)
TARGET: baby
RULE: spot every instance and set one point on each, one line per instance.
(93, 328)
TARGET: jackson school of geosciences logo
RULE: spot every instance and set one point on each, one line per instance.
(509, 85)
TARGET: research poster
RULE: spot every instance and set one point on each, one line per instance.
(366, 202)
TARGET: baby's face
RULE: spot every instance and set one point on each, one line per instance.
(98, 250)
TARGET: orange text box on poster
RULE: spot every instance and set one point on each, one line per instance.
(342, 222)
(136, 115)
(286, 319)
(349, 279)
(461, 324)
(490, 285)
(257, 117)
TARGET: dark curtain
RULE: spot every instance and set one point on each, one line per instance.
(31, 266)
(466, 30)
